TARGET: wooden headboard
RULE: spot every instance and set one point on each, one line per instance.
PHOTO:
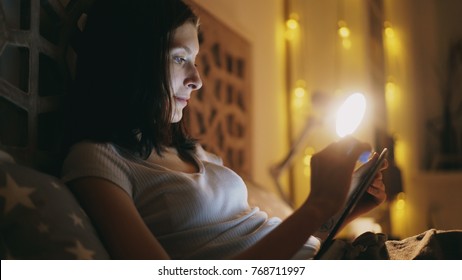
(219, 114)
(36, 64)
(36, 60)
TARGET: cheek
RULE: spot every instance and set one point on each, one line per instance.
(175, 77)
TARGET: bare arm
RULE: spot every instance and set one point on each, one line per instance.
(117, 220)
(332, 170)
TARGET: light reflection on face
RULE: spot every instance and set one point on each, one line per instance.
(184, 76)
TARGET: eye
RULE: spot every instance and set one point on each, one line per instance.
(179, 59)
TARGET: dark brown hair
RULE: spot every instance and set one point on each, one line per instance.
(122, 86)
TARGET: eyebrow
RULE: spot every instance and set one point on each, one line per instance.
(187, 49)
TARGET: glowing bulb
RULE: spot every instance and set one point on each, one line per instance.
(344, 32)
(299, 92)
(388, 29)
(292, 24)
(350, 114)
(389, 32)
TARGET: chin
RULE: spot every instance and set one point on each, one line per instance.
(177, 118)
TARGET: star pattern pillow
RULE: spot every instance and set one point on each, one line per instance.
(41, 219)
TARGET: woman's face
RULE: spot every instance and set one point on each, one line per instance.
(184, 76)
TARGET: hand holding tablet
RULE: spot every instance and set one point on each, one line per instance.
(354, 196)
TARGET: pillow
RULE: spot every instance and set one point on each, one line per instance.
(41, 219)
(5, 157)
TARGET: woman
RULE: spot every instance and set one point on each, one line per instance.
(151, 191)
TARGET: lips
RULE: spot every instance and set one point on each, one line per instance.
(182, 100)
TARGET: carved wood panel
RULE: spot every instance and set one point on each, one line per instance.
(219, 113)
(35, 63)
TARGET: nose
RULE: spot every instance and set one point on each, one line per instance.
(193, 80)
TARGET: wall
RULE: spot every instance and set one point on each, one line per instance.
(331, 69)
(423, 30)
(261, 22)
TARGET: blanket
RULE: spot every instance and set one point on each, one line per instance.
(432, 244)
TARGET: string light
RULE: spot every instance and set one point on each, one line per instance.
(388, 29)
(299, 92)
(344, 33)
(391, 92)
(401, 201)
(293, 26)
(343, 30)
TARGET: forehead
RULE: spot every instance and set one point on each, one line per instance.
(186, 36)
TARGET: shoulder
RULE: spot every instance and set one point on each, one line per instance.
(85, 146)
(92, 156)
(100, 160)
(87, 150)
(203, 155)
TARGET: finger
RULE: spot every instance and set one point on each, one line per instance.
(378, 176)
(372, 190)
(379, 194)
(384, 165)
(376, 186)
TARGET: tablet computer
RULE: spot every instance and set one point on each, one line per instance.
(358, 191)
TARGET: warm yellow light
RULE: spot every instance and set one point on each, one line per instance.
(290, 34)
(344, 32)
(299, 92)
(388, 29)
(307, 160)
(402, 149)
(401, 201)
(398, 215)
(309, 151)
(350, 114)
(401, 196)
(298, 103)
(292, 24)
(346, 43)
(390, 93)
(390, 87)
(389, 32)
(400, 204)
(307, 171)
(391, 41)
